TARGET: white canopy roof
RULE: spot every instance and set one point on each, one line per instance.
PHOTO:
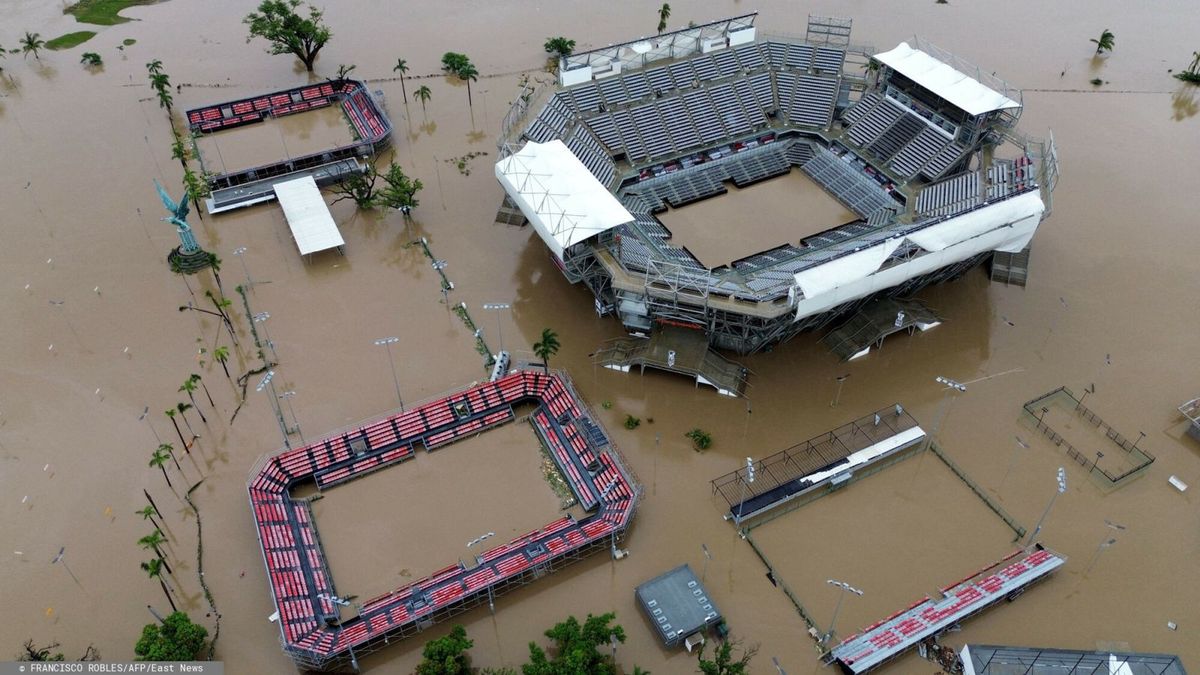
(560, 197)
(308, 216)
(959, 89)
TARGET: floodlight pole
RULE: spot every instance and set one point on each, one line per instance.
(742, 498)
(145, 416)
(1062, 487)
(262, 317)
(287, 396)
(498, 306)
(951, 386)
(387, 343)
(841, 380)
(267, 382)
(240, 252)
(838, 608)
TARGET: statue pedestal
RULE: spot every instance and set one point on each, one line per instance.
(188, 263)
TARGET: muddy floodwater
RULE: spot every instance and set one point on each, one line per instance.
(275, 139)
(757, 218)
(94, 336)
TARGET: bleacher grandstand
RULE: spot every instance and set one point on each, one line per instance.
(312, 630)
(248, 185)
(903, 139)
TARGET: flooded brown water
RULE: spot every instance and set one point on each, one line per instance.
(275, 139)
(1113, 273)
(743, 222)
(396, 526)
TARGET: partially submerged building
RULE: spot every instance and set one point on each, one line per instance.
(920, 147)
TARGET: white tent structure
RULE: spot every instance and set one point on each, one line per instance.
(960, 89)
(560, 197)
(307, 215)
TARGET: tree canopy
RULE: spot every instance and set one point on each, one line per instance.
(576, 648)
(175, 639)
(723, 662)
(447, 655)
(452, 62)
(560, 46)
(287, 31)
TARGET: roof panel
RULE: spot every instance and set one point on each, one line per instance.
(308, 216)
(958, 88)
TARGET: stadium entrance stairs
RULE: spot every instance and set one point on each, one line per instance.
(675, 349)
(1011, 268)
(879, 319)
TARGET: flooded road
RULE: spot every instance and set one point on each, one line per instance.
(95, 336)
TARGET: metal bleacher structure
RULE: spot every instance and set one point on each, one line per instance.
(246, 186)
(666, 121)
(313, 631)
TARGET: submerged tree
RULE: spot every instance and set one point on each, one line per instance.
(576, 648)
(423, 94)
(1192, 72)
(546, 347)
(91, 59)
(358, 186)
(31, 43)
(559, 45)
(447, 655)
(399, 191)
(723, 662)
(1105, 42)
(175, 639)
(287, 31)
(460, 66)
(402, 68)
(32, 652)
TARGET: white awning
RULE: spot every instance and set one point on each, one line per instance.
(560, 197)
(308, 216)
(846, 269)
(961, 90)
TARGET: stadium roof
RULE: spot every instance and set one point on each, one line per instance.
(560, 197)
(994, 660)
(960, 89)
(308, 216)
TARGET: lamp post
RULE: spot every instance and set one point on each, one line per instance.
(491, 593)
(288, 396)
(775, 662)
(387, 343)
(267, 382)
(950, 386)
(240, 252)
(61, 558)
(1012, 462)
(841, 379)
(498, 306)
(841, 596)
(143, 416)
(1104, 544)
(440, 265)
(262, 317)
(1062, 487)
(707, 558)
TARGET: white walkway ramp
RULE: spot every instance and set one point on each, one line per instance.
(308, 216)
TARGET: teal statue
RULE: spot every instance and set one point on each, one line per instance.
(178, 218)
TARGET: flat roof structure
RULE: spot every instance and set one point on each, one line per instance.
(307, 215)
(996, 660)
(677, 604)
(957, 88)
(559, 195)
(891, 637)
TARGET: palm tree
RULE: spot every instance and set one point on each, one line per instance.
(155, 67)
(170, 412)
(32, 42)
(197, 379)
(546, 347)
(402, 68)
(152, 541)
(424, 95)
(1106, 42)
(159, 459)
(153, 568)
(221, 354)
(467, 73)
(189, 385)
(664, 13)
(183, 408)
(147, 513)
(170, 450)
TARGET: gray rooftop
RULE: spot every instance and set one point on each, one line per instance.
(994, 660)
(677, 604)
